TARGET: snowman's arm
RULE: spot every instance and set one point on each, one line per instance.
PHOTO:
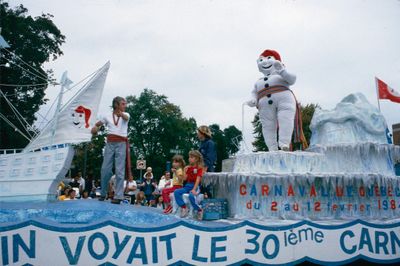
(254, 94)
(288, 77)
(253, 101)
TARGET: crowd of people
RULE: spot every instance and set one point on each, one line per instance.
(179, 188)
(146, 191)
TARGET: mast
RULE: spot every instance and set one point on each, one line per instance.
(65, 82)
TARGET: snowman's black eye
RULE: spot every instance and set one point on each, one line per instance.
(261, 60)
(269, 57)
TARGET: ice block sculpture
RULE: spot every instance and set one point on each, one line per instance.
(353, 120)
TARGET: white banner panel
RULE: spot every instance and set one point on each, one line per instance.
(111, 243)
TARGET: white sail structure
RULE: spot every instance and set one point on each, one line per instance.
(76, 118)
(34, 173)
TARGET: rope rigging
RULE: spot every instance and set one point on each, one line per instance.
(20, 118)
(32, 87)
(25, 63)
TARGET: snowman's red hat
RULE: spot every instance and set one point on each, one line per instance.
(82, 110)
(273, 53)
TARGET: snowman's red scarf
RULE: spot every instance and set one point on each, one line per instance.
(298, 123)
(116, 138)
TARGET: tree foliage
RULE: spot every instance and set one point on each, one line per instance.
(94, 156)
(35, 41)
(258, 143)
(307, 113)
(226, 142)
(156, 127)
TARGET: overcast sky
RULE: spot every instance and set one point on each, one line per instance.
(202, 54)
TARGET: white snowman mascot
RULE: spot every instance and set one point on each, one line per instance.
(275, 101)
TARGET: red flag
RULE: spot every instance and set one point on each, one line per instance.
(386, 92)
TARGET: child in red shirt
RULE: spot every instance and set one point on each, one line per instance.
(193, 174)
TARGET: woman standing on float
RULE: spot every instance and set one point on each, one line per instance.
(207, 147)
(207, 150)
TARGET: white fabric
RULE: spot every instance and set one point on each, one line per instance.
(121, 129)
(282, 109)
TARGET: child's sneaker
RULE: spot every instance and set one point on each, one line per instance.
(200, 215)
(168, 210)
(184, 212)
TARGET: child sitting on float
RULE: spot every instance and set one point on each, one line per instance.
(193, 174)
(178, 164)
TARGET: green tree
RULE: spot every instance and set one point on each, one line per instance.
(220, 143)
(156, 126)
(226, 142)
(258, 143)
(32, 41)
(94, 156)
(233, 137)
(307, 113)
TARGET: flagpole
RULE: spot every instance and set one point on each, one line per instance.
(377, 93)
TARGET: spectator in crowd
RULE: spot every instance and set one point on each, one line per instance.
(193, 174)
(74, 182)
(149, 187)
(96, 189)
(71, 195)
(149, 172)
(165, 182)
(60, 188)
(130, 188)
(82, 183)
(78, 182)
(178, 164)
(160, 202)
(85, 195)
(141, 199)
(64, 193)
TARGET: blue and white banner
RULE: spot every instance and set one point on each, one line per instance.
(111, 243)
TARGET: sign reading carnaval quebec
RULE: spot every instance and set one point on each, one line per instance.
(315, 198)
(111, 243)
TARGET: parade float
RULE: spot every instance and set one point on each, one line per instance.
(334, 203)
